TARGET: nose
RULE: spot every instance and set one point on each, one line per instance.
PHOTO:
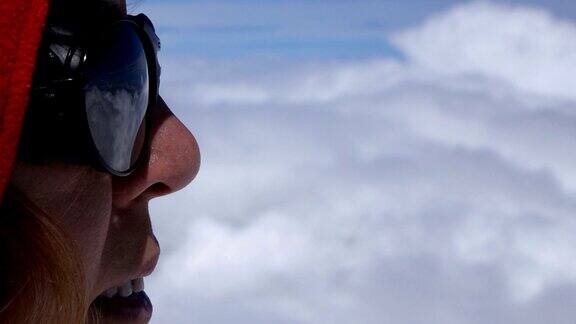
(172, 163)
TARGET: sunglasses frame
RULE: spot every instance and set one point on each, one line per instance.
(58, 97)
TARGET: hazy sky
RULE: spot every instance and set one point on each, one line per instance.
(298, 28)
(370, 162)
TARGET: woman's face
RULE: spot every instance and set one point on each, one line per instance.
(107, 217)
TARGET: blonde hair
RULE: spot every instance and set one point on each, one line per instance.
(41, 276)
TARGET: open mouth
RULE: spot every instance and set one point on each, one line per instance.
(127, 303)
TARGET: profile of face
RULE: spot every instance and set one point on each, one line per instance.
(106, 216)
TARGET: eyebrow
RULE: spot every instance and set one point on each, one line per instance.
(116, 9)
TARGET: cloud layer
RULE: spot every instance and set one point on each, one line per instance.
(524, 46)
(439, 189)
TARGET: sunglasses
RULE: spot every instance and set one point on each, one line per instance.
(91, 96)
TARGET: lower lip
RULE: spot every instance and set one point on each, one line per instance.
(135, 308)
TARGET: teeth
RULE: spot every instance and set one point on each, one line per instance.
(111, 292)
(138, 285)
(127, 289)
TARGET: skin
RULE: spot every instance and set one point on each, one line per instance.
(107, 217)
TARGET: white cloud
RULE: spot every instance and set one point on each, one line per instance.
(436, 190)
(527, 47)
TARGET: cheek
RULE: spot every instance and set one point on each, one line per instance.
(87, 222)
(78, 200)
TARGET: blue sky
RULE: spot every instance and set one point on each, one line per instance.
(294, 29)
(299, 29)
(370, 162)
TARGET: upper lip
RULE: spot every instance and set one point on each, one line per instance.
(145, 269)
(148, 267)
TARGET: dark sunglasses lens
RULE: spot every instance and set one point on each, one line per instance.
(117, 98)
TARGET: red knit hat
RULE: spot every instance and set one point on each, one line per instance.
(21, 24)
